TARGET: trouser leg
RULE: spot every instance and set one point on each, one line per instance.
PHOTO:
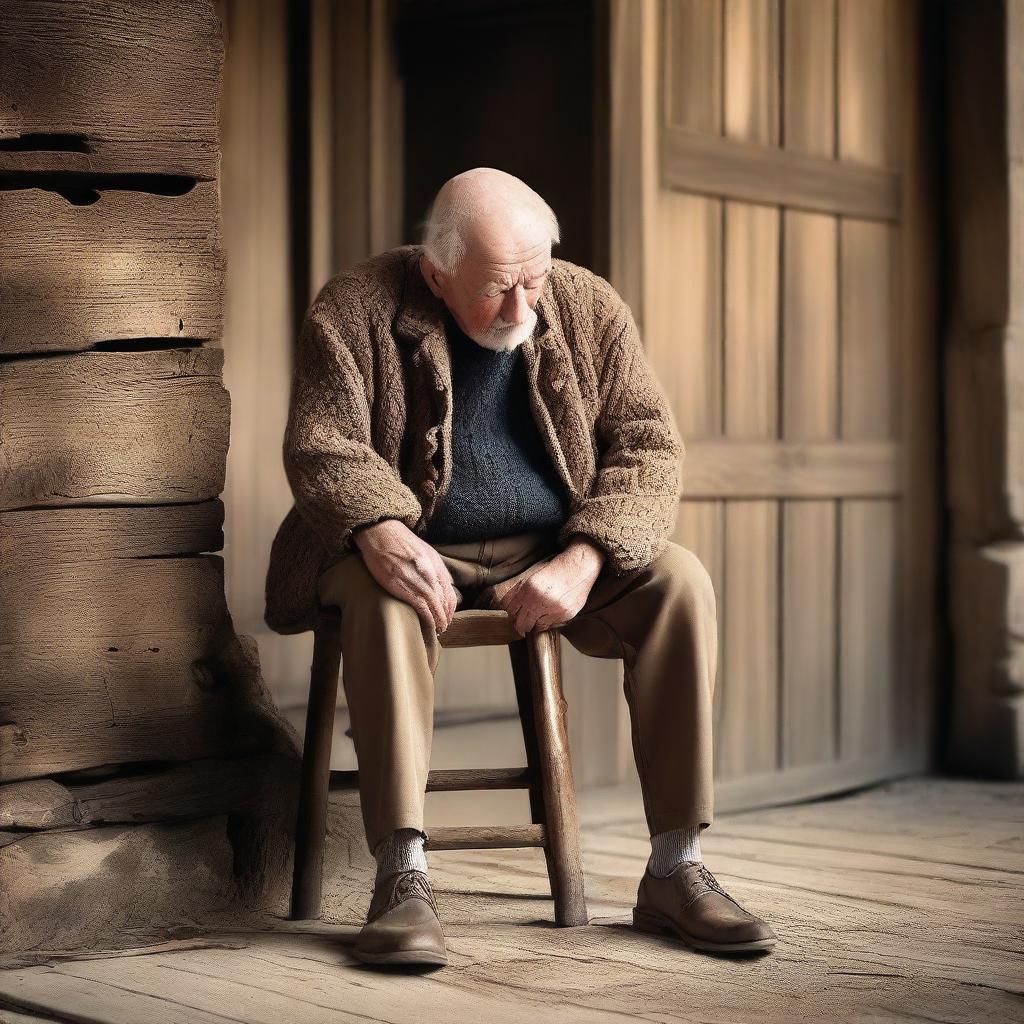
(661, 621)
(389, 657)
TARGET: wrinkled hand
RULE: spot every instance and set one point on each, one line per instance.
(551, 593)
(406, 566)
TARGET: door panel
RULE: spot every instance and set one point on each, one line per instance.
(781, 159)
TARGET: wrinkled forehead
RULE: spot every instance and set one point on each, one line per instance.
(507, 262)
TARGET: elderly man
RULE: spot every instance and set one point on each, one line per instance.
(474, 421)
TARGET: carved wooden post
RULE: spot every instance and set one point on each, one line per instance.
(132, 717)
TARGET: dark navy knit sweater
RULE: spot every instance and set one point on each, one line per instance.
(503, 480)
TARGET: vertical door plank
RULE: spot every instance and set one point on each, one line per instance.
(868, 628)
(867, 342)
(747, 741)
(810, 395)
(751, 54)
(747, 737)
(810, 347)
(692, 91)
(683, 336)
(809, 412)
(808, 632)
(868, 640)
(808, 108)
(751, 321)
(864, 67)
(867, 637)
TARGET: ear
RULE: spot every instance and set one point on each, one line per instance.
(431, 275)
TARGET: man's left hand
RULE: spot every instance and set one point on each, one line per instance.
(542, 597)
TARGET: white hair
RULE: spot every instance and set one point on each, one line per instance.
(444, 241)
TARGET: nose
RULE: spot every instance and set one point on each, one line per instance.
(515, 308)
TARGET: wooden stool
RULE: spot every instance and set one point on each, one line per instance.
(536, 668)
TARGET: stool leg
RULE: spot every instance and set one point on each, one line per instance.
(519, 655)
(311, 825)
(562, 824)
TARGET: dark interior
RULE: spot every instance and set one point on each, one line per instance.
(507, 85)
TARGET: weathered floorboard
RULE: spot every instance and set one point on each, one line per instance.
(889, 905)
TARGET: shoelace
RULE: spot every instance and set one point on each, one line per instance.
(409, 884)
(710, 880)
(412, 884)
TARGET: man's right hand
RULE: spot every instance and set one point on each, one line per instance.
(406, 566)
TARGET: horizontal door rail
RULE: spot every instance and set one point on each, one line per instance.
(734, 169)
(720, 468)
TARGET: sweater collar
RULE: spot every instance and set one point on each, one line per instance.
(421, 313)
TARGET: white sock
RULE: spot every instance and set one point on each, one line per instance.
(669, 849)
(402, 850)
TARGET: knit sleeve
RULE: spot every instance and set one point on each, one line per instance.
(339, 481)
(632, 506)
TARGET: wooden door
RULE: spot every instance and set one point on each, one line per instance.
(770, 230)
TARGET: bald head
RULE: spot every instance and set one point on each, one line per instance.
(485, 212)
(487, 251)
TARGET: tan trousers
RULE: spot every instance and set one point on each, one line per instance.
(660, 620)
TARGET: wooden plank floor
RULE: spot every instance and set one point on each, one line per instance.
(903, 902)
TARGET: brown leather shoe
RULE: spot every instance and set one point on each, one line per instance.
(690, 903)
(402, 923)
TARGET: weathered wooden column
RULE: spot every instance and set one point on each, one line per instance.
(985, 384)
(145, 777)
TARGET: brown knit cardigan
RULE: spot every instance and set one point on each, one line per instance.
(370, 416)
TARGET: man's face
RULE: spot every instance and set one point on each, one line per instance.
(492, 294)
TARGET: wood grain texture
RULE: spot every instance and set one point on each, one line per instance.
(32, 536)
(485, 837)
(78, 72)
(119, 659)
(113, 428)
(128, 265)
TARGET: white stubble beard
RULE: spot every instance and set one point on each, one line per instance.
(509, 337)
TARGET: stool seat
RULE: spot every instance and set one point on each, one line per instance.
(547, 775)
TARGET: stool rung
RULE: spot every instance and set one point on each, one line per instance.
(450, 779)
(485, 837)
